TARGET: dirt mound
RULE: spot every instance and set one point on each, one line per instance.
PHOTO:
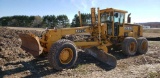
(10, 43)
(10, 33)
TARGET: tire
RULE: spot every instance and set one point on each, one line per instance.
(57, 56)
(129, 46)
(142, 45)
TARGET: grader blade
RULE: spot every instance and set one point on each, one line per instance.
(31, 44)
(102, 56)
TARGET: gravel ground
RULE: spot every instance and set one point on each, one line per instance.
(15, 63)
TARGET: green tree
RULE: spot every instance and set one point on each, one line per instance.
(75, 21)
(86, 20)
(30, 21)
(49, 21)
(4, 21)
(37, 21)
(63, 21)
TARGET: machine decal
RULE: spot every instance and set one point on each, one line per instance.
(128, 28)
(80, 30)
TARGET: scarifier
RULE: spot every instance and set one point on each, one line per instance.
(108, 31)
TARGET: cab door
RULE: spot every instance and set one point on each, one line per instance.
(118, 22)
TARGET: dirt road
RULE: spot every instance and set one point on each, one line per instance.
(14, 62)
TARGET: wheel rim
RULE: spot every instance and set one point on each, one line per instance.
(144, 46)
(66, 56)
(132, 47)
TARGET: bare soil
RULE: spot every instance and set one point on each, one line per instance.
(15, 63)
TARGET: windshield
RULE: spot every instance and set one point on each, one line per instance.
(106, 17)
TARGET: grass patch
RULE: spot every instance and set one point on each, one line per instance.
(154, 75)
(151, 30)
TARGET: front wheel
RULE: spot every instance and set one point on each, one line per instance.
(63, 54)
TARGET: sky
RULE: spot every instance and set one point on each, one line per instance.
(141, 10)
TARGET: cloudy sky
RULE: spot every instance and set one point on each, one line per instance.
(142, 10)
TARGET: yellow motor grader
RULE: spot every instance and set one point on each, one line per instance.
(107, 30)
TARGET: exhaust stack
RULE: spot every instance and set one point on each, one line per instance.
(129, 18)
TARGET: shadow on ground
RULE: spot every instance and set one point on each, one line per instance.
(40, 67)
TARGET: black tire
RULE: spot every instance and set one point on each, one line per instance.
(126, 46)
(142, 45)
(55, 51)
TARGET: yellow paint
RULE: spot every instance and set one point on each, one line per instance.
(99, 33)
(66, 56)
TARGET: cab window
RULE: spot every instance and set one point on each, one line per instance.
(106, 17)
(118, 18)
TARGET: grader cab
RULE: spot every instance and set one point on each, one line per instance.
(107, 31)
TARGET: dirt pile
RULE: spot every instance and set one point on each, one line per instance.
(10, 43)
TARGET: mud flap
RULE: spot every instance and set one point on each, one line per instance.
(31, 44)
(102, 56)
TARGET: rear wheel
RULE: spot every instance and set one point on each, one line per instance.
(129, 46)
(142, 45)
(62, 54)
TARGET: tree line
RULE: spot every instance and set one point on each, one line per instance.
(60, 21)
